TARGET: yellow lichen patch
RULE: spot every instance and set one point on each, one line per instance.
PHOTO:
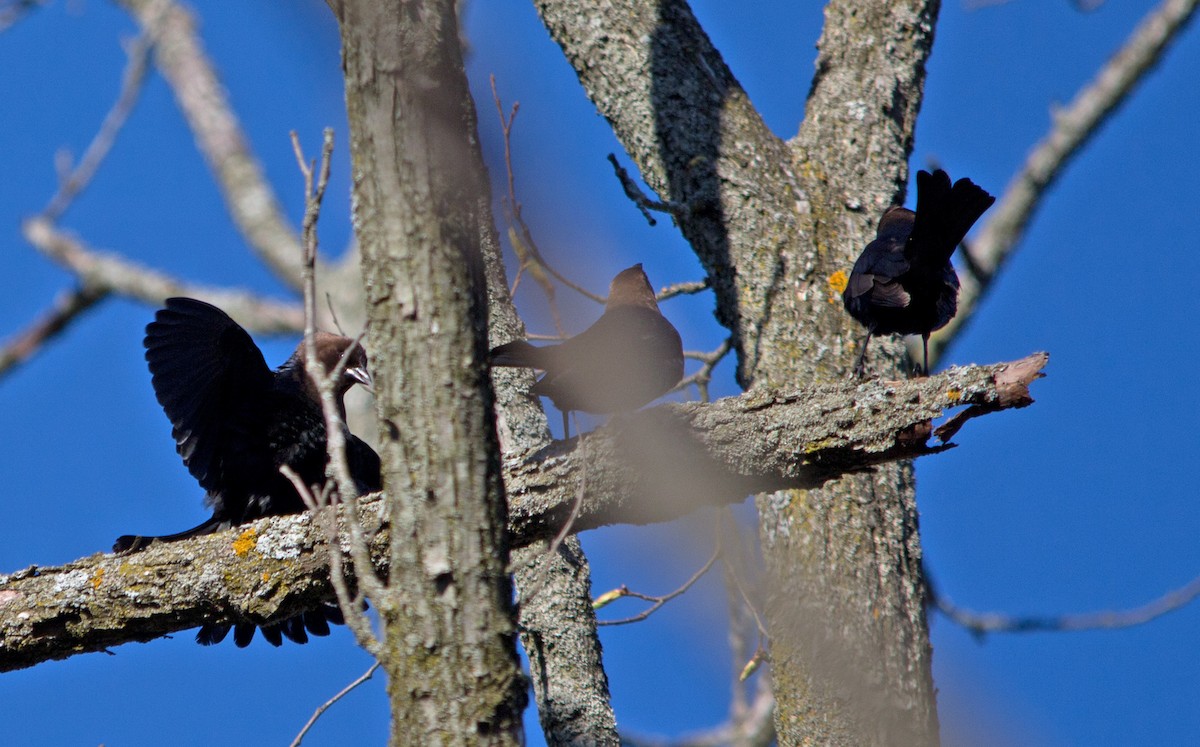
(97, 577)
(266, 576)
(245, 542)
(954, 395)
(838, 281)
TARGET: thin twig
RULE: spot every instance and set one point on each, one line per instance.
(686, 288)
(703, 376)
(132, 81)
(676, 210)
(658, 602)
(369, 583)
(325, 706)
(528, 253)
(982, 623)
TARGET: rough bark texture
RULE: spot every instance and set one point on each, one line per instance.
(557, 624)
(276, 566)
(453, 673)
(772, 223)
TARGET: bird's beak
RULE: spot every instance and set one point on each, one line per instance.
(362, 376)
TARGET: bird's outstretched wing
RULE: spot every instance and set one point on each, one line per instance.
(211, 380)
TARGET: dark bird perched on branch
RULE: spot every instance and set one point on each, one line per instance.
(630, 356)
(903, 283)
(236, 422)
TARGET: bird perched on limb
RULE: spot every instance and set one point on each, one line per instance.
(630, 356)
(903, 282)
(236, 423)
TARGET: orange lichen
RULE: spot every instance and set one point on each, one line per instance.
(838, 281)
(97, 577)
(245, 542)
(954, 395)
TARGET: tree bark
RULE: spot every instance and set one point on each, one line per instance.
(419, 180)
(772, 223)
(276, 567)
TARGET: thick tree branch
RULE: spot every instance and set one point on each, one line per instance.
(715, 453)
(1072, 128)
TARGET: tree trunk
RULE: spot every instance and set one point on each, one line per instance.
(419, 181)
(772, 222)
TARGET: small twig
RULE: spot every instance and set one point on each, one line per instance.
(982, 623)
(528, 253)
(325, 706)
(703, 376)
(369, 583)
(687, 288)
(132, 81)
(658, 602)
(676, 210)
(67, 307)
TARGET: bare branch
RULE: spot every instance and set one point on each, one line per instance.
(67, 307)
(1072, 127)
(132, 81)
(686, 288)
(982, 623)
(180, 56)
(700, 454)
(657, 601)
(335, 429)
(757, 730)
(676, 210)
(111, 272)
(528, 253)
(325, 706)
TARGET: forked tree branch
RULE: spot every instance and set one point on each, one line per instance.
(649, 466)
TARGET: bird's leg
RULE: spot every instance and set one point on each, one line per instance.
(566, 415)
(925, 350)
(862, 356)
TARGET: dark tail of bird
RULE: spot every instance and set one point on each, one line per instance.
(134, 542)
(296, 628)
(519, 353)
(944, 214)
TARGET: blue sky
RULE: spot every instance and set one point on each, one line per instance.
(1082, 502)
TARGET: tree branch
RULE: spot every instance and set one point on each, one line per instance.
(180, 56)
(654, 465)
(1071, 130)
(107, 271)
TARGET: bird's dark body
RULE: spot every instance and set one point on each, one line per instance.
(630, 356)
(903, 282)
(236, 423)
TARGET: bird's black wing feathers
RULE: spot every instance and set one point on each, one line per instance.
(210, 378)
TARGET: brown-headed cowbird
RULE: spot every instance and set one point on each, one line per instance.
(236, 422)
(630, 356)
(903, 282)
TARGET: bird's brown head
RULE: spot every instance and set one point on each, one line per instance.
(631, 287)
(331, 349)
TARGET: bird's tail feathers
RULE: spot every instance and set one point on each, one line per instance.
(134, 542)
(520, 353)
(945, 213)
